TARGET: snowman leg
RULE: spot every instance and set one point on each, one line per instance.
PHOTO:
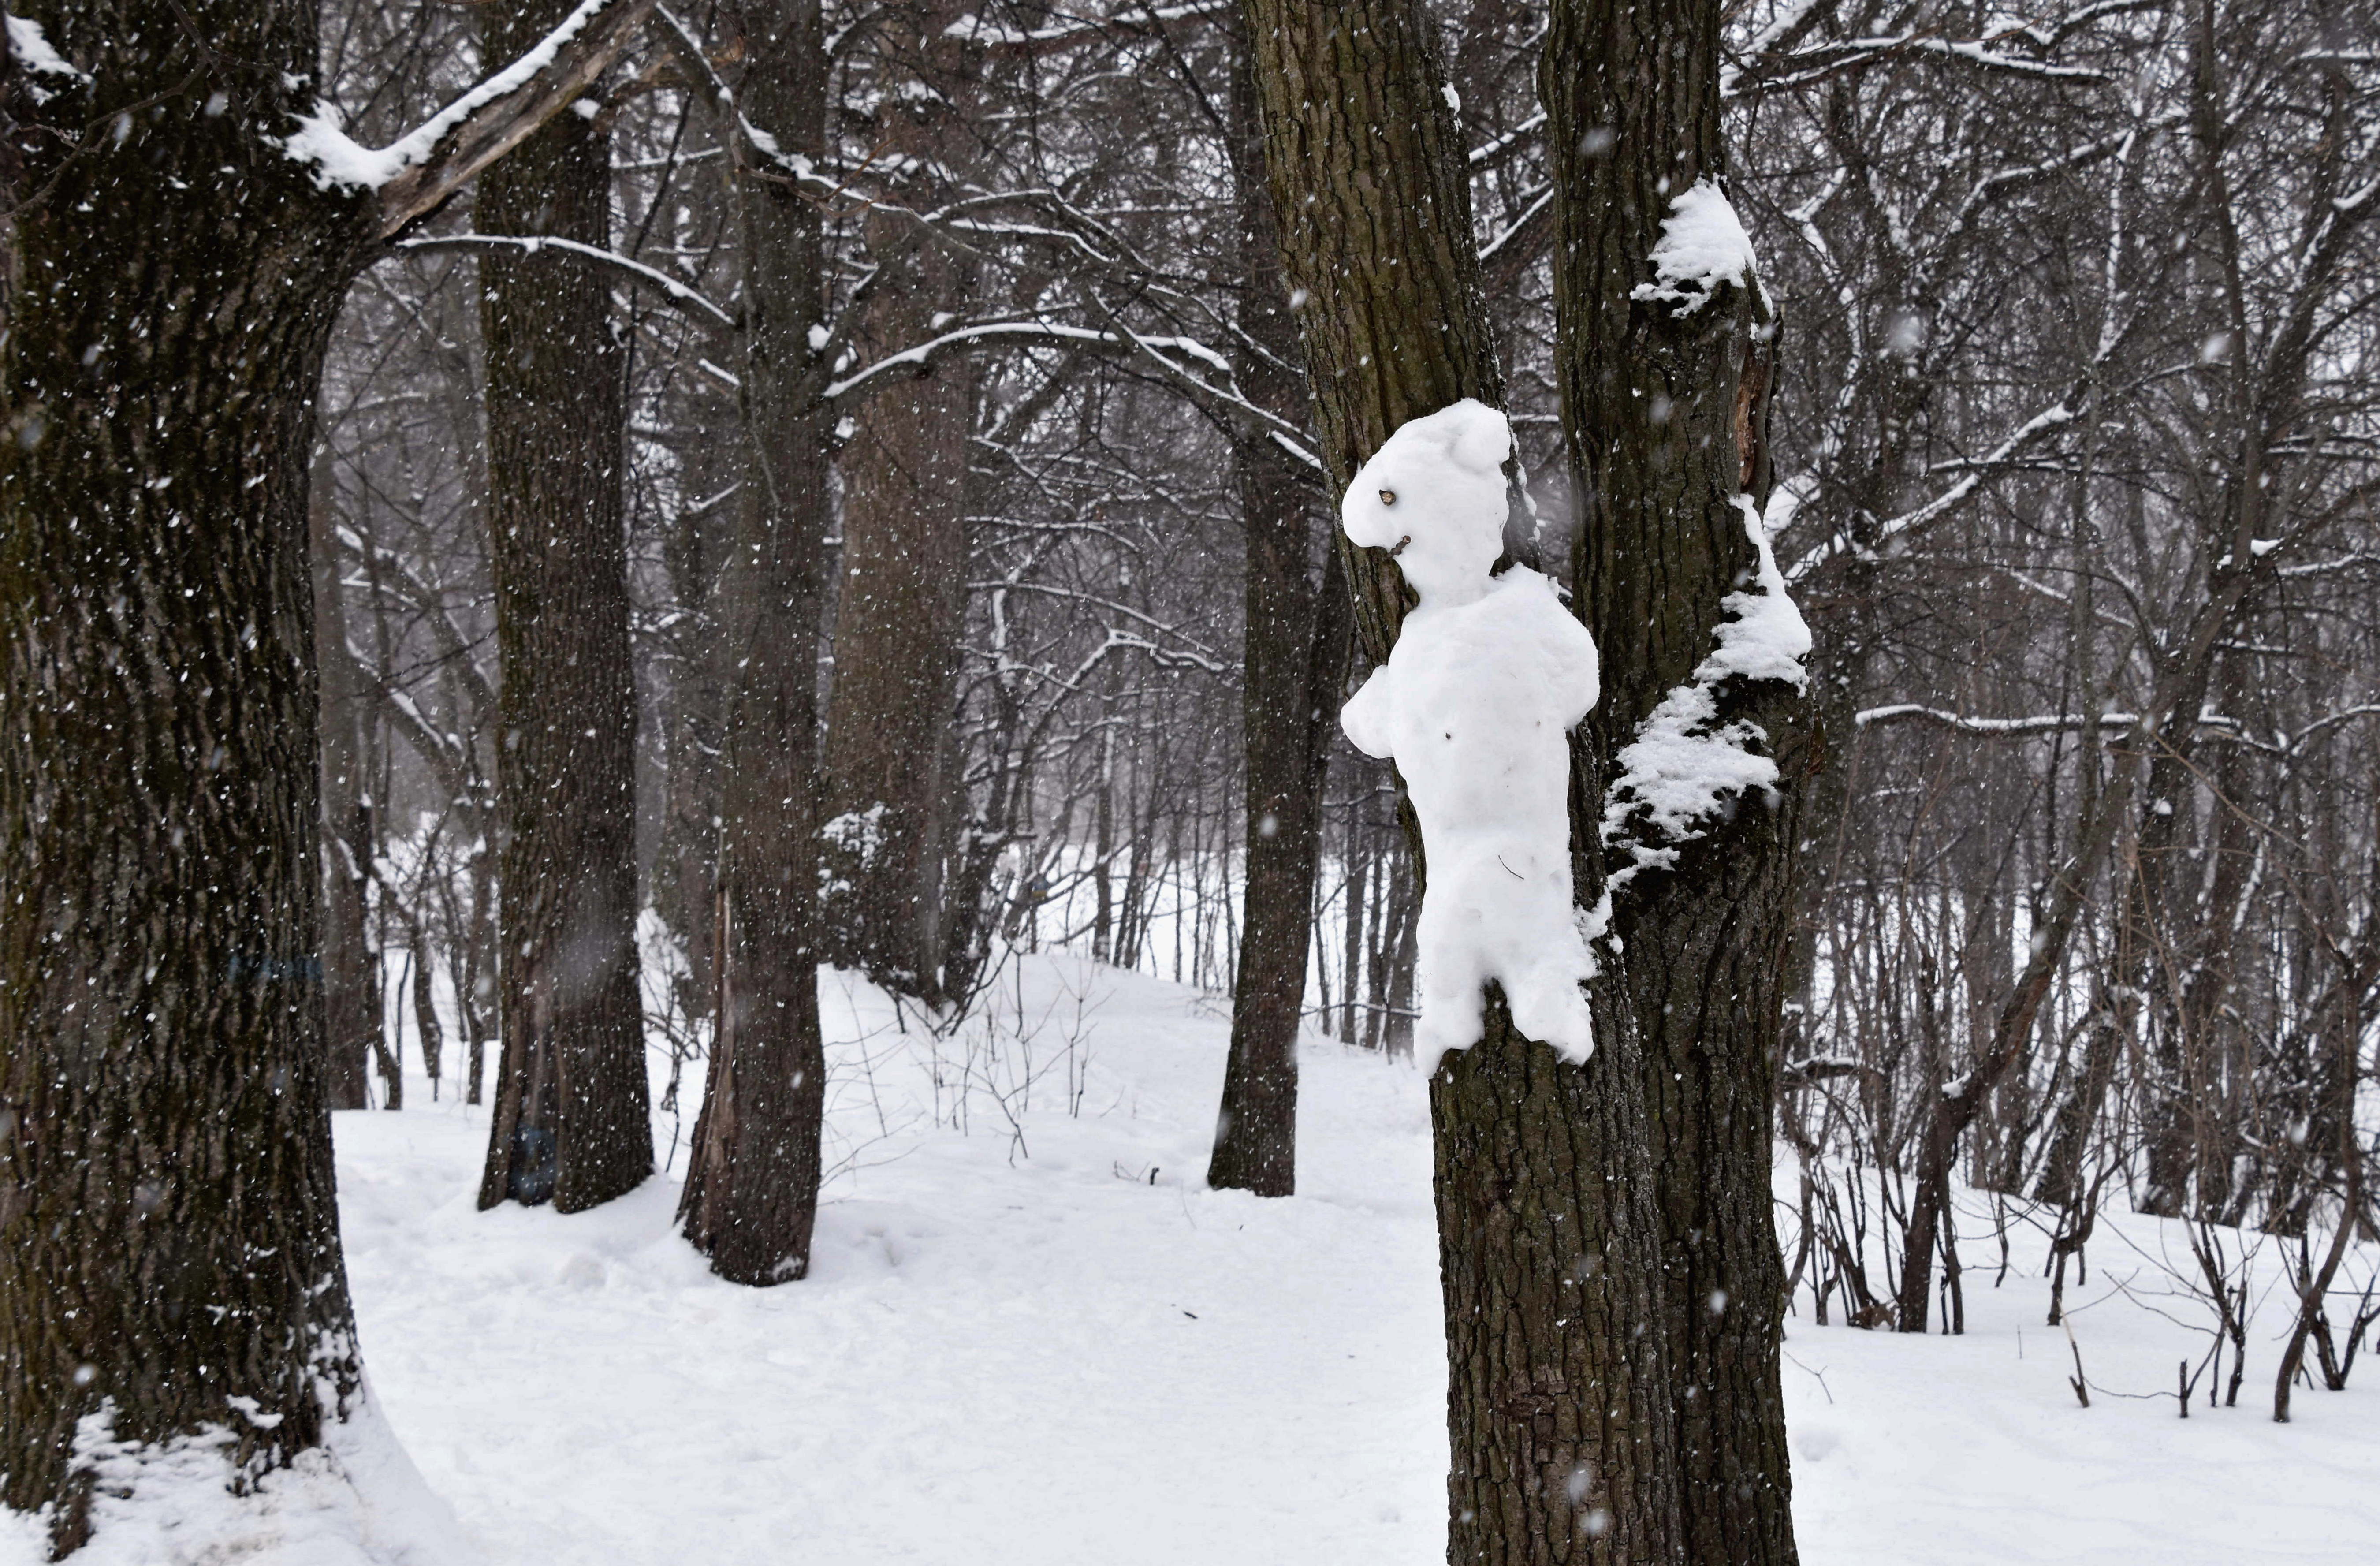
(1549, 1006)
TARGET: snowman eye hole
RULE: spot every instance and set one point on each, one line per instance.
(1388, 497)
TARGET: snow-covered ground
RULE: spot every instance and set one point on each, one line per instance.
(1039, 1340)
(1046, 1343)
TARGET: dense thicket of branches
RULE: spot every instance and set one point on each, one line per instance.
(2075, 447)
(2074, 443)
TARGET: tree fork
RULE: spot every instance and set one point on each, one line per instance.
(1564, 1448)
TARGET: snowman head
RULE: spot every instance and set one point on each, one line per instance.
(1433, 497)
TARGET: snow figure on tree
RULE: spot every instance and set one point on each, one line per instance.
(1474, 704)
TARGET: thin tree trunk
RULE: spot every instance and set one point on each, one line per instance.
(903, 599)
(686, 892)
(572, 1123)
(752, 1175)
(1358, 866)
(351, 998)
(1296, 639)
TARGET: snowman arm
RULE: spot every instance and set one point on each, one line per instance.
(1366, 716)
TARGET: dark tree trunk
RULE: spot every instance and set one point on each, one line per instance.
(1663, 412)
(903, 599)
(572, 1122)
(1368, 178)
(351, 980)
(1359, 902)
(167, 1227)
(169, 1237)
(1566, 1436)
(752, 1175)
(1557, 1402)
(1295, 663)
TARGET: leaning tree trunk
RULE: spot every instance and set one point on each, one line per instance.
(1295, 664)
(902, 600)
(167, 1228)
(1662, 407)
(1562, 1439)
(572, 1122)
(752, 1177)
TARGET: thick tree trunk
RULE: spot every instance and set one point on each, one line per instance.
(167, 1229)
(1557, 1395)
(752, 1175)
(1295, 664)
(170, 1270)
(351, 980)
(1567, 1437)
(572, 1122)
(1662, 409)
(903, 599)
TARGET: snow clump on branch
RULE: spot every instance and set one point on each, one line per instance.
(1489, 676)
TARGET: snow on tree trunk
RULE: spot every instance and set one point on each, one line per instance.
(1663, 350)
(1558, 1415)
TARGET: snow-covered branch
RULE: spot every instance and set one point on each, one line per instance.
(2053, 722)
(2054, 417)
(921, 356)
(528, 245)
(1068, 30)
(421, 170)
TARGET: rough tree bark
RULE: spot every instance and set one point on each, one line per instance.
(169, 1242)
(1561, 1434)
(752, 1175)
(902, 600)
(572, 1122)
(1294, 665)
(1663, 409)
(167, 1203)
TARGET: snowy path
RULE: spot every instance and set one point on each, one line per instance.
(1049, 1360)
